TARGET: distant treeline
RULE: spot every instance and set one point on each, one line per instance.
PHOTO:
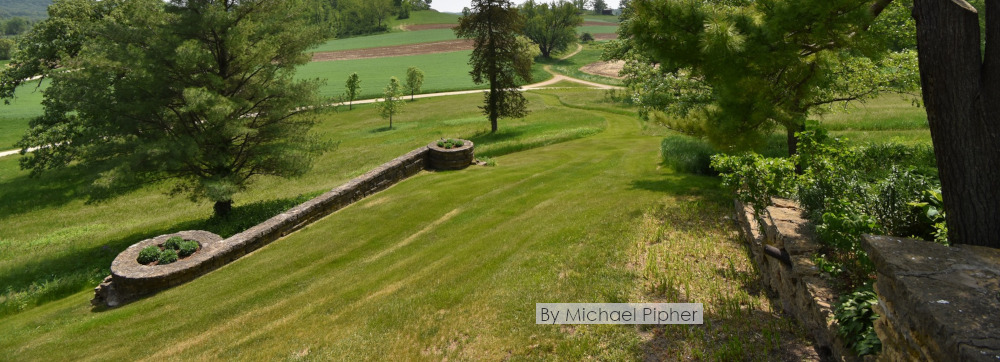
(342, 18)
(30, 9)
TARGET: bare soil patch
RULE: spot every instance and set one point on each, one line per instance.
(395, 51)
(605, 69)
(605, 36)
(418, 27)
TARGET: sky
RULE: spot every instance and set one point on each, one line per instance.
(455, 6)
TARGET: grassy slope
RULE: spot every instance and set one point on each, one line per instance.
(14, 117)
(889, 118)
(596, 29)
(55, 243)
(449, 264)
(427, 17)
(571, 67)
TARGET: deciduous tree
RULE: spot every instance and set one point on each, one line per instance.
(498, 56)
(414, 80)
(392, 102)
(551, 26)
(353, 88)
(198, 92)
(960, 77)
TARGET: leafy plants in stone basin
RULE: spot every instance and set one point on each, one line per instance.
(170, 251)
(450, 143)
(846, 192)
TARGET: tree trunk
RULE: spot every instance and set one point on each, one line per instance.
(792, 140)
(222, 208)
(960, 94)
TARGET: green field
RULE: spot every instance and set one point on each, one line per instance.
(427, 17)
(443, 72)
(889, 118)
(602, 18)
(14, 117)
(597, 29)
(386, 39)
(444, 265)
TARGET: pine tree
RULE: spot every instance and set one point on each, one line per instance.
(498, 56)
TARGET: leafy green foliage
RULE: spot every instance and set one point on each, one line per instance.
(173, 243)
(931, 207)
(795, 57)
(392, 102)
(203, 104)
(148, 254)
(167, 256)
(414, 80)
(855, 322)
(187, 247)
(450, 143)
(551, 26)
(687, 154)
(499, 57)
(353, 88)
(756, 179)
(586, 38)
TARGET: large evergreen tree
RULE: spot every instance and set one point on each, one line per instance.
(200, 92)
(498, 56)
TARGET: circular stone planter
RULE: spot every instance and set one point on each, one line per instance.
(450, 159)
(130, 280)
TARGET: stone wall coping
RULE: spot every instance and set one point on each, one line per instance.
(125, 264)
(938, 302)
(466, 144)
(130, 280)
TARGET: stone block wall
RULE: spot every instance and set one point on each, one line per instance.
(936, 303)
(130, 280)
(803, 292)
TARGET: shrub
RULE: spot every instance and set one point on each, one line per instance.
(148, 254)
(450, 143)
(586, 38)
(168, 256)
(855, 322)
(756, 179)
(173, 243)
(688, 154)
(187, 247)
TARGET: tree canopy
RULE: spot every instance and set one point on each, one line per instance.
(551, 26)
(498, 57)
(733, 70)
(198, 92)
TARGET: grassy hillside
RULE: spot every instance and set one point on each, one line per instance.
(387, 39)
(446, 264)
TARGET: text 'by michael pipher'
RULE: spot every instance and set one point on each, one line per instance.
(619, 313)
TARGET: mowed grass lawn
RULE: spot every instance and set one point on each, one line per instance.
(14, 117)
(445, 264)
(889, 118)
(591, 53)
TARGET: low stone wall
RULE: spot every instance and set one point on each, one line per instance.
(803, 291)
(130, 280)
(936, 303)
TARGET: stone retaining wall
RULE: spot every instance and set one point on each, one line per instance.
(450, 159)
(130, 280)
(803, 291)
(936, 303)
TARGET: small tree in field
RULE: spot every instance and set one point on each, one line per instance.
(391, 104)
(353, 89)
(414, 79)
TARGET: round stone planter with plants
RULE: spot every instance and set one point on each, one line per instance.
(451, 154)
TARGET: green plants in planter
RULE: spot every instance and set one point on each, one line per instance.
(174, 243)
(148, 254)
(187, 247)
(168, 256)
(450, 143)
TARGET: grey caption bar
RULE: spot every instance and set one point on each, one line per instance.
(619, 313)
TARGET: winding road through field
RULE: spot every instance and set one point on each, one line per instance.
(556, 78)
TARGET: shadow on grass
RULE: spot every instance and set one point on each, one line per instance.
(682, 184)
(53, 188)
(381, 129)
(54, 278)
